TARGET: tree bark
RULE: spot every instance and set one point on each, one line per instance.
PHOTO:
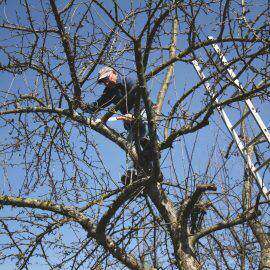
(259, 232)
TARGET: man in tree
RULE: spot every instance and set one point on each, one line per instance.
(123, 92)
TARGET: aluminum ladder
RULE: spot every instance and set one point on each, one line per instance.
(243, 148)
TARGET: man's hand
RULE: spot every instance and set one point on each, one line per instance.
(127, 118)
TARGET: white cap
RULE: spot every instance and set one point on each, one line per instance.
(104, 72)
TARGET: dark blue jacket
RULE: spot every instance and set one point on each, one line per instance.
(124, 87)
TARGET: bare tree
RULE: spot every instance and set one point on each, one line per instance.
(63, 204)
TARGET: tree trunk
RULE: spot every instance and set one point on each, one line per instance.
(187, 259)
(255, 225)
(265, 258)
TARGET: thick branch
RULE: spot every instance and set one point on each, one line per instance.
(121, 199)
(245, 216)
(188, 206)
(76, 215)
(148, 106)
(152, 34)
(165, 85)
(68, 52)
(224, 17)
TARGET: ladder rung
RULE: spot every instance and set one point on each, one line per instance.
(241, 119)
(262, 165)
(254, 140)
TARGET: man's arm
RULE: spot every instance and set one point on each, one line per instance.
(104, 101)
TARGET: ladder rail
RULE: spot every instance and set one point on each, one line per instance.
(234, 134)
(248, 102)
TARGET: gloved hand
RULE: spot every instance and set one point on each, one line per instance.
(126, 118)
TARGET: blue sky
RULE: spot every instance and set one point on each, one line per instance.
(198, 148)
